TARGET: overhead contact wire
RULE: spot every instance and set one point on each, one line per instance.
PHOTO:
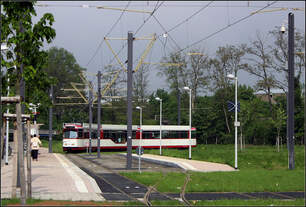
(99, 46)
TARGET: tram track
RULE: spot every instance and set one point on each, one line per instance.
(152, 188)
(182, 194)
(112, 184)
(115, 187)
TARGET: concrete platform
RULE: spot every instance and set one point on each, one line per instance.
(54, 177)
(192, 165)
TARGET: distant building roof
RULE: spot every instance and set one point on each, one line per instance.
(273, 91)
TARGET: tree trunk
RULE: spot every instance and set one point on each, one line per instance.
(241, 138)
(270, 103)
(281, 142)
(278, 132)
(226, 119)
(21, 155)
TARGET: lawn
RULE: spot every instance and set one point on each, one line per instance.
(57, 145)
(232, 202)
(261, 168)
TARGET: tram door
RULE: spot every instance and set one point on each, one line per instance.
(121, 137)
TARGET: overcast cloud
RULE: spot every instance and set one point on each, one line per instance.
(80, 30)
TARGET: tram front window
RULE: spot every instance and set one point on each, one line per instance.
(70, 134)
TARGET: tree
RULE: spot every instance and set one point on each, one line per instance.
(26, 41)
(176, 75)
(111, 83)
(228, 60)
(140, 83)
(261, 66)
(279, 122)
(63, 69)
(280, 54)
(198, 77)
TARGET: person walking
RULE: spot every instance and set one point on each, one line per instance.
(35, 143)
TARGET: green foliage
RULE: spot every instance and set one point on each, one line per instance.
(26, 41)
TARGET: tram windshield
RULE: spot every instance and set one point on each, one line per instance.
(70, 134)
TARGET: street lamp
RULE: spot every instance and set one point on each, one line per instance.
(34, 107)
(160, 123)
(236, 124)
(189, 89)
(139, 147)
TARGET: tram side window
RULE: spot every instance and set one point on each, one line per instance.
(80, 133)
(150, 134)
(175, 134)
(94, 134)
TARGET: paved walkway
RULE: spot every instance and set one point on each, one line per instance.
(193, 165)
(54, 177)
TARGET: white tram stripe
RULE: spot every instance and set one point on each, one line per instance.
(80, 185)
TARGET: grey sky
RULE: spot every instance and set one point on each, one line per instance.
(80, 30)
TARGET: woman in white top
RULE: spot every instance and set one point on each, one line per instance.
(35, 143)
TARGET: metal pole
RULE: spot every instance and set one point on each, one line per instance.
(236, 122)
(129, 100)
(90, 118)
(35, 107)
(99, 113)
(22, 95)
(139, 155)
(304, 102)
(190, 124)
(50, 120)
(160, 126)
(7, 126)
(178, 107)
(291, 89)
(0, 96)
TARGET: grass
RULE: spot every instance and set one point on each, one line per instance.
(261, 168)
(256, 202)
(57, 145)
(226, 202)
(252, 157)
(247, 181)
(166, 203)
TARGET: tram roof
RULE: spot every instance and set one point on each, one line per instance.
(135, 127)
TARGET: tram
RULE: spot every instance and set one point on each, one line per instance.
(76, 136)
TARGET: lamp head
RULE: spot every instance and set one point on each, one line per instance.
(186, 88)
(157, 99)
(4, 46)
(138, 107)
(230, 76)
(283, 29)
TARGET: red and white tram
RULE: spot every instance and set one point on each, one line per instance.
(76, 136)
